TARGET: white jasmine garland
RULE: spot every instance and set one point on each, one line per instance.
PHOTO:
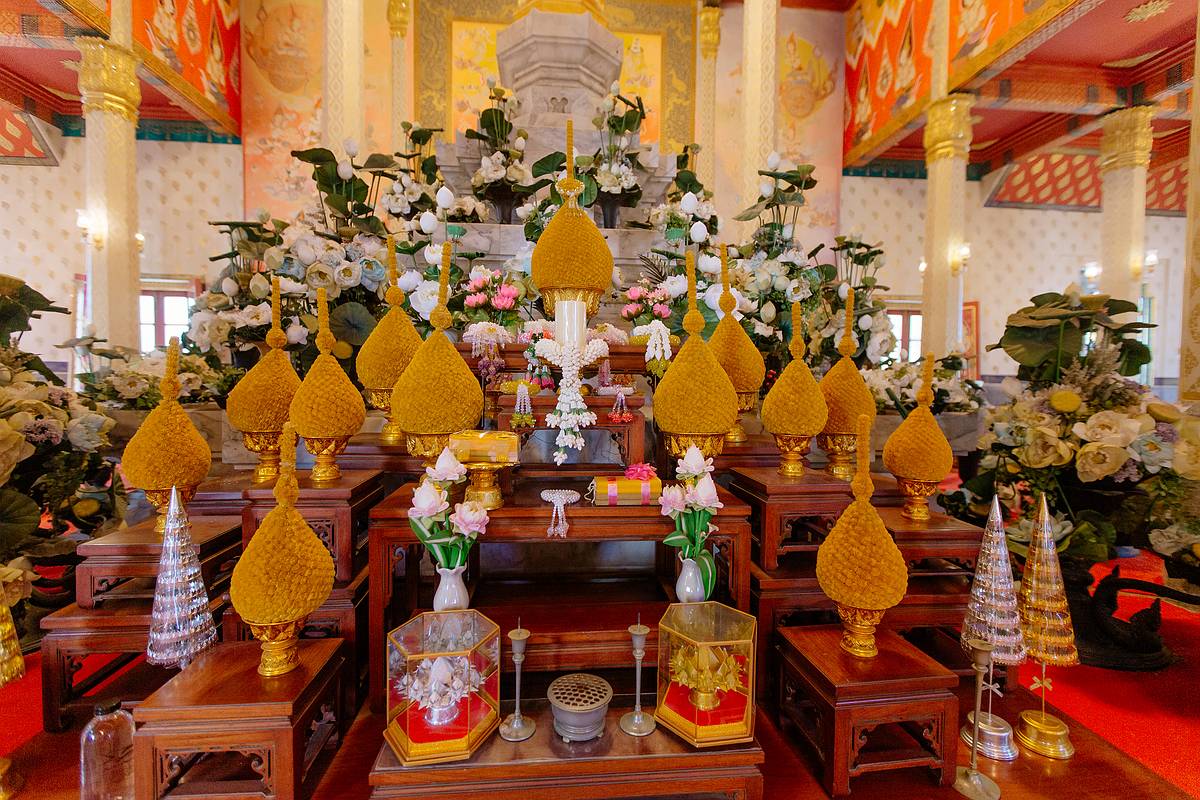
(570, 413)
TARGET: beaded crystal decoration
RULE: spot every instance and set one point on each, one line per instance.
(181, 623)
(560, 498)
(992, 614)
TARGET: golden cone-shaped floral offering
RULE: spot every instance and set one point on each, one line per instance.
(259, 404)
(859, 566)
(794, 409)
(438, 394)
(846, 397)
(388, 350)
(326, 405)
(736, 354)
(917, 452)
(695, 403)
(284, 574)
(571, 260)
(167, 450)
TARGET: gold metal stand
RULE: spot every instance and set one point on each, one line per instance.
(841, 449)
(161, 498)
(325, 450)
(426, 446)
(792, 450)
(264, 444)
(916, 494)
(1042, 733)
(279, 643)
(483, 486)
(709, 444)
(859, 626)
(381, 400)
(746, 403)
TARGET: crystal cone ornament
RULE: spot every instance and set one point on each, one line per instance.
(992, 614)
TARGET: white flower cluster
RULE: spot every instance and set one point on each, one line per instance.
(904, 379)
(398, 201)
(34, 414)
(615, 177)
(130, 378)
(498, 167)
(571, 413)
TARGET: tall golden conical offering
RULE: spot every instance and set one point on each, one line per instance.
(918, 453)
(327, 410)
(695, 402)
(737, 355)
(437, 394)
(259, 404)
(847, 397)
(571, 260)
(794, 409)
(859, 566)
(167, 450)
(387, 352)
(284, 574)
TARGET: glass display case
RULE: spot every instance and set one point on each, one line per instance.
(706, 673)
(443, 686)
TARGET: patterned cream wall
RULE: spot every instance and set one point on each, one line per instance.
(1015, 253)
(181, 185)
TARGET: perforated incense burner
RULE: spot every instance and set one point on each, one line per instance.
(579, 702)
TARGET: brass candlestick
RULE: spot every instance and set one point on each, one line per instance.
(637, 722)
(969, 782)
(515, 727)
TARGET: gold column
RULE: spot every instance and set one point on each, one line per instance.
(110, 94)
(709, 39)
(1189, 350)
(399, 17)
(947, 145)
(342, 85)
(1124, 156)
(759, 21)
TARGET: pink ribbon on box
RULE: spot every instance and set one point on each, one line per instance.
(646, 492)
(612, 492)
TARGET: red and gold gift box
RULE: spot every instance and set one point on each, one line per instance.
(616, 491)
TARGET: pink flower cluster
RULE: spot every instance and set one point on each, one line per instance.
(643, 300)
(482, 291)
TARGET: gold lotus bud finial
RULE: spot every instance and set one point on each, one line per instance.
(727, 302)
(569, 186)
(925, 393)
(862, 486)
(846, 345)
(325, 338)
(276, 338)
(693, 320)
(797, 348)
(287, 491)
(393, 296)
(169, 385)
(441, 315)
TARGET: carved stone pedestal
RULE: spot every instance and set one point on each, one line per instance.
(220, 717)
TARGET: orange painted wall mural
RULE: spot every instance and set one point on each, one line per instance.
(199, 40)
(977, 24)
(887, 65)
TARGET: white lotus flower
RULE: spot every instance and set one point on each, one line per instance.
(260, 287)
(345, 170)
(519, 144)
(698, 232)
(433, 255)
(864, 322)
(766, 187)
(425, 298)
(297, 332)
(773, 160)
(229, 287)
(688, 203)
(445, 197)
(351, 148)
(408, 280)
(429, 222)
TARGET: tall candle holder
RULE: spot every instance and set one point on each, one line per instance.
(637, 722)
(517, 728)
(969, 781)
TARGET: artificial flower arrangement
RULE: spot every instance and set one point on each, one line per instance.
(1113, 461)
(415, 190)
(448, 535)
(644, 303)
(894, 387)
(691, 504)
(688, 202)
(123, 378)
(503, 177)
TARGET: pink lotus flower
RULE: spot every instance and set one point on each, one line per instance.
(476, 285)
(476, 300)
(448, 469)
(640, 472)
(661, 311)
(469, 518)
(508, 290)
(635, 293)
(631, 310)
(703, 495)
(428, 501)
(673, 501)
(503, 302)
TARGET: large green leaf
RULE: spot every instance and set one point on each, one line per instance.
(549, 164)
(19, 517)
(351, 323)
(315, 155)
(708, 571)
(492, 120)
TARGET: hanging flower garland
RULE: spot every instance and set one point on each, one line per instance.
(522, 409)
(571, 413)
(658, 346)
(486, 339)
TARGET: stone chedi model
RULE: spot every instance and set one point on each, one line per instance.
(695, 403)
(387, 352)
(736, 354)
(285, 573)
(794, 409)
(846, 397)
(327, 409)
(259, 405)
(571, 260)
(859, 566)
(437, 394)
(917, 452)
(167, 450)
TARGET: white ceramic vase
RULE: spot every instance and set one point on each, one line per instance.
(451, 593)
(689, 586)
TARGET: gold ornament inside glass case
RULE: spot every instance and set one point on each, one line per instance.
(443, 686)
(706, 673)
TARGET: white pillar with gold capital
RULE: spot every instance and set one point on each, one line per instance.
(399, 13)
(947, 145)
(1189, 355)
(709, 40)
(110, 94)
(759, 23)
(342, 85)
(1124, 157)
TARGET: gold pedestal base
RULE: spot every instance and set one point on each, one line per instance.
(426, 446)
(705, 701)
(1044, 734)
(737, 433)
(325, 450)
(793, 447)
(265, 444)
(746, 403)
(916, 504)
(10, 781)
(381, 400)
(484, 487)
(709, 444)
(279, 643)
(161, 500)
(859, 626)
(841, 449)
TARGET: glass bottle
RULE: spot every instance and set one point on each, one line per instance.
(106, 755)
